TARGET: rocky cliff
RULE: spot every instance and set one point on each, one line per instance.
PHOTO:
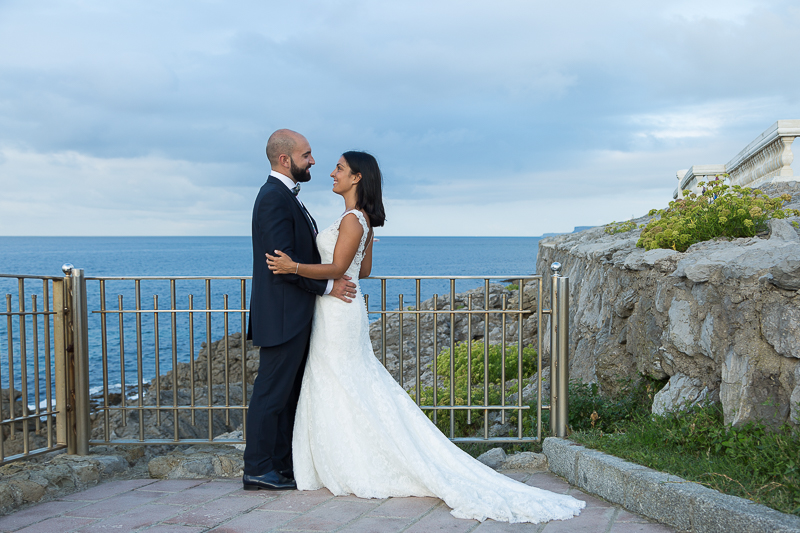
(720, 321)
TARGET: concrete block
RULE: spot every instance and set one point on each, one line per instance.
(671, 500)
(562, 457)
(714, 512)
(605, 475)
(658, 496)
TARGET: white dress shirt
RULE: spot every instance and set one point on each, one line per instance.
(290, 183)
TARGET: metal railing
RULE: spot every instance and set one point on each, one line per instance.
(35, 367)
(204, 393)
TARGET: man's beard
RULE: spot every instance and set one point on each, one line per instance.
(300, 175)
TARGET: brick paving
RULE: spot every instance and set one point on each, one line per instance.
(188, 506)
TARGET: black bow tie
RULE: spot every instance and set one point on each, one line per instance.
(295, 189)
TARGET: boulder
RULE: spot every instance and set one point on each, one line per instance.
(494, 458)
(198, 462)
(525, 461)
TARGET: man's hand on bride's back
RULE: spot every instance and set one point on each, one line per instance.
(344, 289)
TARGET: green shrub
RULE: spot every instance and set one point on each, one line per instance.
(512, 287)
(475, 382)
(619, 227)
(720, 211)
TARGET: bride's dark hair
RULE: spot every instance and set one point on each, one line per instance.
(370, 198)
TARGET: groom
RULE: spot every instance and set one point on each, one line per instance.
(281, 308)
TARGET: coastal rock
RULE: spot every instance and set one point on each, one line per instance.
(680, 392)
(786, 272)
(525, 461)
(723, 316)
(236, 434)
(24, 482)
(794, 400)
(782, 230)
(155, 425)
(226, 362)
(494, 458)
(198, 462)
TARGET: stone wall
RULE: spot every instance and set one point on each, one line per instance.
(720, 321)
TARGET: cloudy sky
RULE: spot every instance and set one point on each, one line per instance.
(488, 118)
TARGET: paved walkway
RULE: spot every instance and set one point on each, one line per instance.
(188, 506)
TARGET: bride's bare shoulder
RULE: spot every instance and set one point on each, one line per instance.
(353, 217)
(351, 224)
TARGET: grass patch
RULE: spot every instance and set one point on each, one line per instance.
(752, 461)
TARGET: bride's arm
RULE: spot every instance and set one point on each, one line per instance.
(366, 263)
(350, 232)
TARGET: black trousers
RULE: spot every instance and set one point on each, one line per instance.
(270, 417)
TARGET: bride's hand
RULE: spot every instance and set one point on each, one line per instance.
(280, 263)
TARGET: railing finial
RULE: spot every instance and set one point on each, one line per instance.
(555, 267)
(66, 268)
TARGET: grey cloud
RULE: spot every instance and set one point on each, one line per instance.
(443, 93)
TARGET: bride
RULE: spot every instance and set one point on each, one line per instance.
(356, 430)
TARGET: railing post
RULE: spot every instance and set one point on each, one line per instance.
(80, 328)
(559, 352)
(60, 349)
(78, 431)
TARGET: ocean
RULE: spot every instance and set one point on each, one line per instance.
(216, 256)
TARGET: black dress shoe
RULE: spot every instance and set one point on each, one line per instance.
(272, 480)
(288, 474)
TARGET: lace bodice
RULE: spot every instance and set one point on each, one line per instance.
(326, 242)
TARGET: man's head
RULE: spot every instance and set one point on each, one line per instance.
(290, 154)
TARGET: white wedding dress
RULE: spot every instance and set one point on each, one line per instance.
(358, 432)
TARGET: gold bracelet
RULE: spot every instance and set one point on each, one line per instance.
(297, 268)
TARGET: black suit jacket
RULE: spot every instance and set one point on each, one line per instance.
(281, 304)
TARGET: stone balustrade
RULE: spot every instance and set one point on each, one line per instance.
(690, 178)
(767, 159)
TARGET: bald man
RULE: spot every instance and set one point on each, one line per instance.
(281, 308)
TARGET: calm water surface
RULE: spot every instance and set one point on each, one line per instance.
(217, 256)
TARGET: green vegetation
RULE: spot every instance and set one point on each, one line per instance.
(512, 287)
(475, 382)
(751, 461)
(720, 211)
(619, 227)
